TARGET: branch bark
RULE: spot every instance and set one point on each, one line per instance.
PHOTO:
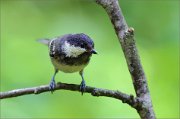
(125, 98)
(127, 41)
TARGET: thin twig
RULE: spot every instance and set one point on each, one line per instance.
(129, 99)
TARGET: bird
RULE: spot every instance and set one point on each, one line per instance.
(70, 53)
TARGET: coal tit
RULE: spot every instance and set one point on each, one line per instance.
(70, 53)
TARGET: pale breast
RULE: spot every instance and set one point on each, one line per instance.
(67, 68)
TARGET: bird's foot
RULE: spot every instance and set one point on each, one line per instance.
(52, 86)
(82, 87)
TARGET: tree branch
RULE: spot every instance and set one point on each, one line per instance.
(129, 99)
(127, 41)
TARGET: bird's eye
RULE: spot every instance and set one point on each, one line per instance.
(82, 46)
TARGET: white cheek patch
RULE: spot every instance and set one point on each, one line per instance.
(71, 50)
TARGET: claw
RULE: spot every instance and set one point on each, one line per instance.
(82, 87)
(52, 85)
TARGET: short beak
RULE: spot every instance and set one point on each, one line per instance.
(94, 51)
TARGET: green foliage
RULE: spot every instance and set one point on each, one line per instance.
(25, 62)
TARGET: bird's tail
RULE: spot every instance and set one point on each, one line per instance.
(44, 41)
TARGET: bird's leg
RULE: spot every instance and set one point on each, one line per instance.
(83, 84)
(52, 84)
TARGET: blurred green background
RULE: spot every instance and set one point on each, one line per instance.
(25, 62)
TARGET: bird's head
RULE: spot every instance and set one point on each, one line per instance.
(77, 44)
